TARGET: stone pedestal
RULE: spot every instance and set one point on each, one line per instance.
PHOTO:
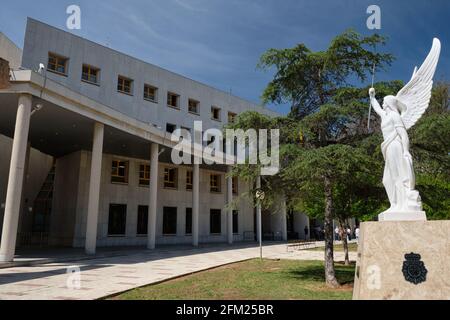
(403, 260)
(403, 216)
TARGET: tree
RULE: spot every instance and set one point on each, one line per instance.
(308, 79)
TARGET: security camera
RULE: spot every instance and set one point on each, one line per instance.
(37, 107)
(41, 68)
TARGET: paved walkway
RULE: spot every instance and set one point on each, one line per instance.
(103, 276)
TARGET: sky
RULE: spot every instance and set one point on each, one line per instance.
(219, 42)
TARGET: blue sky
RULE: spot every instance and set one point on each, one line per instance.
(219, 42)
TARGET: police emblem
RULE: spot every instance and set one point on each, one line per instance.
(413, 269)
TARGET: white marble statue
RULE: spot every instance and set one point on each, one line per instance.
(398, 114)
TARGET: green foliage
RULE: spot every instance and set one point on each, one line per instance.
(308, 80)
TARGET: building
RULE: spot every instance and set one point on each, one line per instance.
(85, 152)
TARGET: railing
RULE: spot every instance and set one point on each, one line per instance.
(29, 239)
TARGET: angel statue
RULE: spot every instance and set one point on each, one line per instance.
(399, 114)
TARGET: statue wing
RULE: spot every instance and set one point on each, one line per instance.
(416, 94)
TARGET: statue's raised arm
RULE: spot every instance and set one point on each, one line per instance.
(398, 114)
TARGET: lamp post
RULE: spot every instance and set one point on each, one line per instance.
(259, 194)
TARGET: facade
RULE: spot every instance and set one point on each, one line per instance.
(85, 158)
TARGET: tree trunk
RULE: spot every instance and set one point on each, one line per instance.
(344, 242)
(330, 275)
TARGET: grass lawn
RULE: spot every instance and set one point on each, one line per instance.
(339, 247)
(252, 279)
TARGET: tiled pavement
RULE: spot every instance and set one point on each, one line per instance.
(103, 276)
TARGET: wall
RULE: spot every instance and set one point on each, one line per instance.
(134, 195)
(300, 221)
(40, 39)
(39, 165)
(9, 51)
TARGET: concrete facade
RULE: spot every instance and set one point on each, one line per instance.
(71, 119)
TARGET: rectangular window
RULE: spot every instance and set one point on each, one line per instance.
(144, 174)
(193, 106)
(173, 100)
(234, 182)
(215, 113)
(235, 221)
(57, 63)
(215, 217)
(170, 127)
(117, 219)
(188, 221)
(142, 220)
(150, 93)
(119, 171)
(189, 179)
(169, 220)
(214, 183)
(170, 178)
(90, 74)
(231, 117)
(124, 85)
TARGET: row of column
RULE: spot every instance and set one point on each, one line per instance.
(15, 184)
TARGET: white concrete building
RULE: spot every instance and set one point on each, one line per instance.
(85, 152)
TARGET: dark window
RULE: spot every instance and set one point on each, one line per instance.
(170, 178)
(90, 74)
(189, 179)
(173, 100)
(214, 183)
(119, 171)
(150, 93)
(193, 106)
(215, 221)
(188, 221)
(234, 181)
(235, 221)
(170, 128)
(231, 117)
(169, 220)
(142, 222)
(57, 63)
(144, 174)
(124, 85)
(215, 113)
(117, 219)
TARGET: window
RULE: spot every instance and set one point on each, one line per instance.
(117, 219)
(193, 106)
(119, 172)
(231, 117)
(171, 127)
(57, 63)
(144, 174)
(189, 179)
(215, 113)
(142, 220)
(124, 85)
(150, 93)
(234, 182)
(188, 229)
(173, 100)
(235, 221)
(214, 183)
(169, 220)
(215, 217)
(170, 178)
(90, 74)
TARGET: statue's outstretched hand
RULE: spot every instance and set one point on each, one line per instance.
(372, 92)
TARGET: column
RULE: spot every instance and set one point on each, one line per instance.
(15, 180)
(283, 218)
(258, 215)
(153, 205)
(229, 205)
(94, 189)
(195, 203)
